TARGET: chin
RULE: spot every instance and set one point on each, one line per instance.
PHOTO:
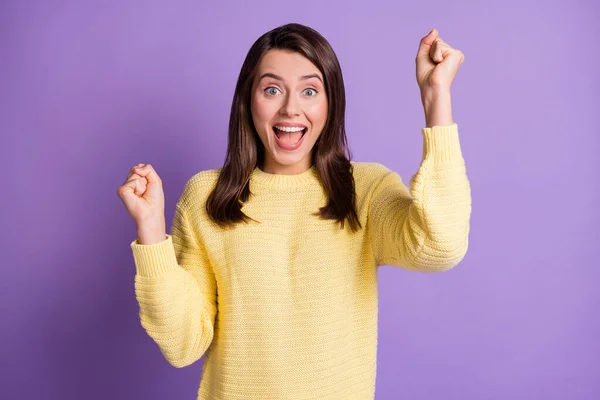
(289, 160)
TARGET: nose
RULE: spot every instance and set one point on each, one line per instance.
(290, 106)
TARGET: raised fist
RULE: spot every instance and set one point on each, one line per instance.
(143, 195)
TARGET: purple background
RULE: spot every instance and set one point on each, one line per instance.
(88, 89)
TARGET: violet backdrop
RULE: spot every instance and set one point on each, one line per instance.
(90, 88)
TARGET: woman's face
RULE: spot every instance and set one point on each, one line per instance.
(288, 90)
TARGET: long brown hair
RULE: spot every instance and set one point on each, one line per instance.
(331, 155)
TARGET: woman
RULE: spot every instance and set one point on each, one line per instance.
(271, 266)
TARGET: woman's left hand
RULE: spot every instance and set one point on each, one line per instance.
(437, 64)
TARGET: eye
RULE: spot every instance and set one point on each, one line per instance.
(315, 92)
(271, 88)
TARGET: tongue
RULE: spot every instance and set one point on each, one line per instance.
(290, 137)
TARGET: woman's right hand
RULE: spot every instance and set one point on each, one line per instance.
(143, 195)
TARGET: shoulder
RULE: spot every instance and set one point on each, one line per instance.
(198, 187)
(368, 173)
(372, 176)
(204, 178)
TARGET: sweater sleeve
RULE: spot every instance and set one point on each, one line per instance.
(424, 228)
(176, 291)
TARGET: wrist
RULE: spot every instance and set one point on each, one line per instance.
(432, 96)
(151, 231)
(437, 105)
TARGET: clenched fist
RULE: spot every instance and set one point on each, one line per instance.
(144, 199)
(437, 64)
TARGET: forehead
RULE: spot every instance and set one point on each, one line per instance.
(287, 64)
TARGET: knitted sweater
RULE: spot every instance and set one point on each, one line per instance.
(286, 308)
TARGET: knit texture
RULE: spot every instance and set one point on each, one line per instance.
(286, 307)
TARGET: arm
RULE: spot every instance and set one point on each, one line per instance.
(438, 108)
(424, 228)
(176, 291)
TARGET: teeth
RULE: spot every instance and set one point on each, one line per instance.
(286, 129)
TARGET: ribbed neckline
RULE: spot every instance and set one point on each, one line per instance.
(282, 181)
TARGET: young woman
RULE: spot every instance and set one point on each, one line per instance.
(270, 270)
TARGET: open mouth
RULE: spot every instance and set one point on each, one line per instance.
(291, 138)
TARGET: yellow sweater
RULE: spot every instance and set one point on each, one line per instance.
(287, 308)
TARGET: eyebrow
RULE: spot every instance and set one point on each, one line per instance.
(302, 78)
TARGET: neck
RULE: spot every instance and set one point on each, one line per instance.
(279, 169)
(286, 182)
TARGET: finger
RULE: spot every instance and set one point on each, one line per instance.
(129, 193)
(132, 171)
(441, 50)
(126, 188)
(441, 41)
(134, 167)
(140, 165)
(455, 59)
(148, 172)
(426, 43)
(439, 55)
(132, 175)
(138, 185)
(436, 52)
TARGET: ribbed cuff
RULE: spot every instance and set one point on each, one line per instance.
(153, 260)
(441, 144)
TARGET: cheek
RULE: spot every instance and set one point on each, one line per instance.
(255, 109)
(261, 117)
(262, 110)
(317, 112)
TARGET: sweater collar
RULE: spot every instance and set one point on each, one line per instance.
(282, 181)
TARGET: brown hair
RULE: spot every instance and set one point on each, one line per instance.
(331, 154)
